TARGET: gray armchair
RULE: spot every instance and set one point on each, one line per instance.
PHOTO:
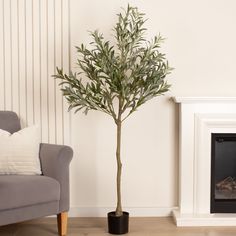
(27, 197)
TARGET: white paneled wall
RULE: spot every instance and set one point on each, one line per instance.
(34, 39)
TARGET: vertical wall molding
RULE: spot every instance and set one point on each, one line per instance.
(34, 39)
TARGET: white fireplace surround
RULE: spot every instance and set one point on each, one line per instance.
(199, 117)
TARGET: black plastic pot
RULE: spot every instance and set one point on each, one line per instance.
(118, 224)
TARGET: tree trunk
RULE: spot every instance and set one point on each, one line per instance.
(119, 211)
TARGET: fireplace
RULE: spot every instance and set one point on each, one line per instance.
(207, 129)
(223, 173)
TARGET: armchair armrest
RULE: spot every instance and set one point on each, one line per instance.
(55, 160)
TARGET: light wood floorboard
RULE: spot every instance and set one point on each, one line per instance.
(161, 226)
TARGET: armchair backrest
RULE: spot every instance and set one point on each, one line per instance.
(9, 121)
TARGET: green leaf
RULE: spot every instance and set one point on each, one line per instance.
(129, 72)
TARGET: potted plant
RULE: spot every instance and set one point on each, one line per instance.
(118, 79)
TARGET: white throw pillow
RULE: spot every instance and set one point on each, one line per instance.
(19, 152)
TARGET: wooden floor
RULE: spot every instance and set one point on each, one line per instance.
(97, 227)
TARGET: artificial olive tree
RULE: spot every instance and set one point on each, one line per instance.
(117, 79)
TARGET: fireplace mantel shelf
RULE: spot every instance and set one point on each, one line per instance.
(178, 99)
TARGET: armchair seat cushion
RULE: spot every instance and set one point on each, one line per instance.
(19, 191)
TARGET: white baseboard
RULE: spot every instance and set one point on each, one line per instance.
(134, 211)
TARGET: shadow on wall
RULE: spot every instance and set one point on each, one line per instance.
(176, 148)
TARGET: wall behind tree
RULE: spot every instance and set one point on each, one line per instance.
(200, 45)
(37, 35)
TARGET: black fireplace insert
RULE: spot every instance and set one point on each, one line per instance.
(223, 173)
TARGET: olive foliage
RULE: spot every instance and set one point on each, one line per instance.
(117, 79)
